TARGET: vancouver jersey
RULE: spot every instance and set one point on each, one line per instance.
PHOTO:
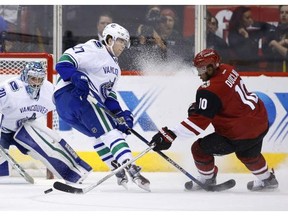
(225, 102)
(16, 103)
(93, 59)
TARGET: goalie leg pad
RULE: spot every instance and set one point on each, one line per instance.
(80, 164)
(7, 140)
(53, 155)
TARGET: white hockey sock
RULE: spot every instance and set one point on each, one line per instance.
(118, 145)
(104, 153)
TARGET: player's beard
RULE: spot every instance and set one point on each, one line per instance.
(206, 77)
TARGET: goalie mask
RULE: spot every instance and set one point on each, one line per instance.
(207, 57)
(33, 75)
(116, 31)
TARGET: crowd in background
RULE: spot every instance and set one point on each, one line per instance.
(158, 33)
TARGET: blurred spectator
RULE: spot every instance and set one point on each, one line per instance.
(3, 32)
(8, 25)
(11, 14)
(215, 42)
(157, 40)
(245, 40)
(103, 20)
(276, 48)
(171, 37)
(243, 47)
(148, 33)
(25, 28)
(69, 40)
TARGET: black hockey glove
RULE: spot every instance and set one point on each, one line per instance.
(163, 139)
(80, 82)
(192, 109)
(125, 121)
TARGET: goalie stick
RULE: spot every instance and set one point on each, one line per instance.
(16, 166)
(75, 190)
(217, 187)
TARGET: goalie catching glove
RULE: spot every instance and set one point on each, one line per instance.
(163, 139)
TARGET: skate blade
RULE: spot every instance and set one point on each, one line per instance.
(124, 184)
(145, 187)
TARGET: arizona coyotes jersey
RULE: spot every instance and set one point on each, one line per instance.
(93, 59)
(225, 102)
(16, 103)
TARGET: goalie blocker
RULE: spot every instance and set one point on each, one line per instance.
(55, 153)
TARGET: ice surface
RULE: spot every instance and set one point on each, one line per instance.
(167, 194)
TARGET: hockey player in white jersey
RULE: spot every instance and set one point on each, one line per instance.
(97, 62)
(22, 100)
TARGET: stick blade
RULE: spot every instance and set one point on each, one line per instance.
(28, 179)
(67, 188)
(223, 186)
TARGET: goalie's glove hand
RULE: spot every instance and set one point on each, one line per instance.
(80, 82)
(192, 109)
(163, 139)
(124, 121)
(22, 121)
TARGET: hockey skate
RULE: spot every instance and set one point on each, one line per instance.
(121, 176)
(258, 185)
(206, 182)
(137, 178)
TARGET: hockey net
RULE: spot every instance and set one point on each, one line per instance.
(11, 65)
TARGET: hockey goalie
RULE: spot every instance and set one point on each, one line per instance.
(23, 100)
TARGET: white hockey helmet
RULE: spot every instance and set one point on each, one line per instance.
(33, 75)
(116, 31)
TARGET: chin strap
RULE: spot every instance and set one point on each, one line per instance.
(110, 47)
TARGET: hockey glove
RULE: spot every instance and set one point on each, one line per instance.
(163, 139)
(22, 121)
(192, 109)
(125, 121)
(80, 82)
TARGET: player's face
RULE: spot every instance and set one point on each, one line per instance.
(35, 81)
(205, 73)
(284, 14)
(119, 46)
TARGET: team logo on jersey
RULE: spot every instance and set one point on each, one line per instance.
(107, 87)
(94, 130)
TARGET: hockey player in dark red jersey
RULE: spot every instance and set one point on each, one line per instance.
(239, 118)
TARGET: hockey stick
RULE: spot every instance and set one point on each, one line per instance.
(74, 190)
(11, 160)
(218, 187)
(16, 166)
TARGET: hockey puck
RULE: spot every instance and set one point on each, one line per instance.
(189, 185)
(48, 191)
